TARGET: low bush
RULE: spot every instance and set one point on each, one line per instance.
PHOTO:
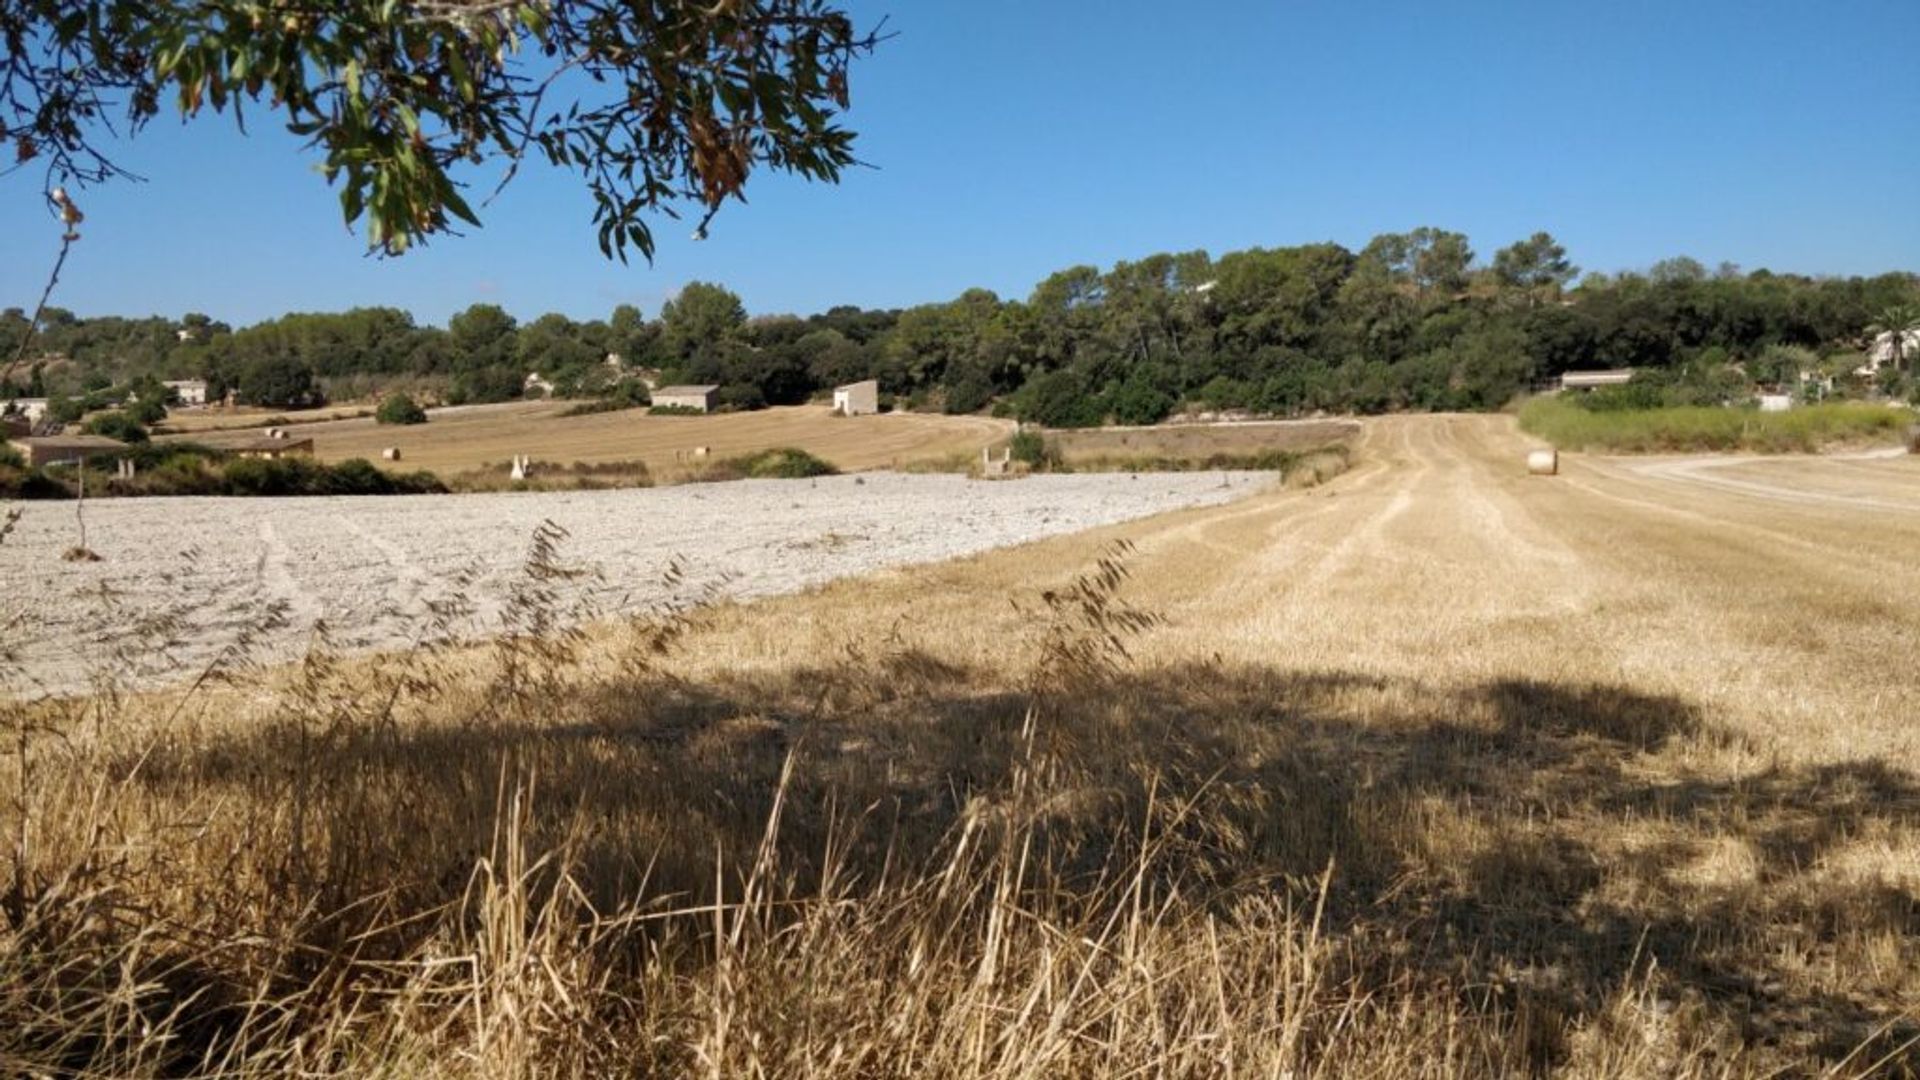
(398, 408)
(117, 425)
(305, 476)
(781, 463)
(164, 469)
(147, 411)
(1031, 447)
(625, 394)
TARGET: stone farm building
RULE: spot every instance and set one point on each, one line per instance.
(55, 449)
(857, 399)
(701, 398)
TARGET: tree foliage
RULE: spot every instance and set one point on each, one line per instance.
(1285, 331)
(651, 105)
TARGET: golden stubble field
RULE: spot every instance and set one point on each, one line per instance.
(1093, 447)
(462, 438)
(1435, 769)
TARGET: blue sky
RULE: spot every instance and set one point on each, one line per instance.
(1014, 138)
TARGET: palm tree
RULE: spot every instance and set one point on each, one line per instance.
(1895, 323)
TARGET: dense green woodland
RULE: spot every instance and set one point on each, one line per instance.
(1413, 321)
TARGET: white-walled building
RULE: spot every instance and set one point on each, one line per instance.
(1881, 352)
(700, 398)
(191, 392)
(857, 399)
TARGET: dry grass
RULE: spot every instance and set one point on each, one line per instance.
(1805, 429)
(1434, 770)
(1198, 442)
(468, 438)
(251, 418)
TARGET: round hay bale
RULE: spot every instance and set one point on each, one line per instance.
(1544, 462)
(1913, 439)
(391, 453)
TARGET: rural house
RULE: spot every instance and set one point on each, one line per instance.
(1880, 353)
(857, 399)
(701, 398)
(192, 392)
(41, 450)
(33, 408)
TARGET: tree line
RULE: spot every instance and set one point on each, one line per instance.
(1411, 321)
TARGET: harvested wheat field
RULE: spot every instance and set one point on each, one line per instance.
(466, 437)
(1436, 769)
(1198, 442)
(201, 421)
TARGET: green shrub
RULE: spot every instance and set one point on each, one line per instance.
(1031, 447)
(267, 476)
(117, 425)
(486, 386)
(785, 463)
(744, 397)
(1709, 428)
(1059, 399)
(675, 410)
(1137, 401)
(148, 411)
(969, 394)
(305, 476)
(625, 394)
(398, 408)
(781, 463)
(23, 484)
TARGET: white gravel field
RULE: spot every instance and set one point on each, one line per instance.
(181, 579)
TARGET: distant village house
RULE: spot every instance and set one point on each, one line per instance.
(1880, 353)
(32, 408)
(857, 399)
(700, 398)
(189, 392)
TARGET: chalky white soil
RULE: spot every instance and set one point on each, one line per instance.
(181, 580)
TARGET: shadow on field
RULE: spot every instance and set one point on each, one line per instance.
(1532, 848)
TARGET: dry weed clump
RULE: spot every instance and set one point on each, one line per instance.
(552, 856)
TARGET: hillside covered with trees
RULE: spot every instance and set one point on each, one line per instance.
(1412, 321)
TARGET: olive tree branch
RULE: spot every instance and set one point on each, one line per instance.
(66, 244)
